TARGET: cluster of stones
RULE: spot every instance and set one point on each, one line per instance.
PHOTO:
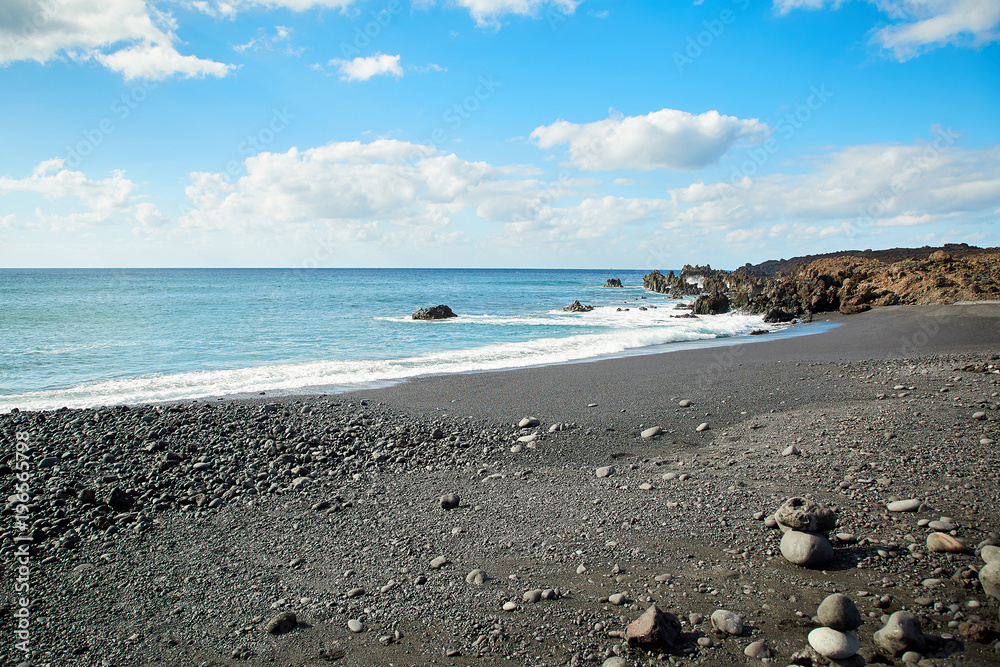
(835, 639)
(805, 525)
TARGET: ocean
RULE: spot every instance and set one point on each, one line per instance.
(84, 338)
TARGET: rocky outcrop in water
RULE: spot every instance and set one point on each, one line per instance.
(441, 312)
(849, 284)
(613, 282)
(577, 307)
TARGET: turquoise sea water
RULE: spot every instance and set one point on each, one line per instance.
(83, 338)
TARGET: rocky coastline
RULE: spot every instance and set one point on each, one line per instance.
(849, 283)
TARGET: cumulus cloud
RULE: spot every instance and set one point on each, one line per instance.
(856, 191)
(127, 36)
(110, 200)
(489, 13)
(665, 139)
(364, 68)
(918, 26)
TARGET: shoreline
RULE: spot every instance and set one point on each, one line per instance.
(172, 534)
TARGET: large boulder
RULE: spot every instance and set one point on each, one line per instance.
(441, 312)
(901, 633)
(715, 303)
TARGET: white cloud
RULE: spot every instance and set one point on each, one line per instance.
(362, 69)
(921, 25)
(488, 13)
(591, 218)
(665, 139)
(156, 61)
(111, 200)
(230, 8)
(44, 30)
(279, 39)
(856, 191)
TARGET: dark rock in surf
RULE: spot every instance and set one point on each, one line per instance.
(441, 312)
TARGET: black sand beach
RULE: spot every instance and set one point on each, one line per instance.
(172, 535)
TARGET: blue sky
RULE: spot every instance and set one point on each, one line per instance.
(494, 133)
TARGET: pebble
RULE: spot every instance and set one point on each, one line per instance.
(618, 599)
(615, 661)
(605, 471)
(449, 501)
(509, 606)
(942, 525)
(990, 553)
(355, 592)
(791, 450)
(533, 596)
(685, 403)
(525, 439)
(477, 577)
(834, 644)
(517, 449)
(355, 626)
(528, 422)
(727, 622)
(806, 549)
(702, 427)
(652, 432)
(911, 505)
(979, 415)
(645, 486)
(439, 562)
(839, 612)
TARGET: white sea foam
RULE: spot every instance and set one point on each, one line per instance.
(626, 331)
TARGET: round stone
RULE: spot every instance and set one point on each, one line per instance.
(354, 625)
(806, 549)
(509, 606)
(449, 501)
(834, 644)
(990, 553)
(652, 432)
(944, 543)
(910, 505)
(839, 612)
(989, 577)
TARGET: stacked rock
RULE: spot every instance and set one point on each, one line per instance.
(805, 524)
(839, 617)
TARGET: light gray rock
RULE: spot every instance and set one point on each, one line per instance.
(477, 577)
(652, 432)
(528, 422)
(990, 553)
(615, 661)
(944, 526)
(790, 450)
(532, 596)
(806, 549)
(684, 403)
(439, 562)
(839, 612)
(727, 622)
(989, 577)
(605, 471)
(901, 633)
(834, 644)
(702, 427)
(910, 505)
(355, 626)
(618, 599)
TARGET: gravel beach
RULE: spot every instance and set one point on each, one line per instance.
(529, 517)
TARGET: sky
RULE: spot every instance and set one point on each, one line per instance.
(493, 133)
